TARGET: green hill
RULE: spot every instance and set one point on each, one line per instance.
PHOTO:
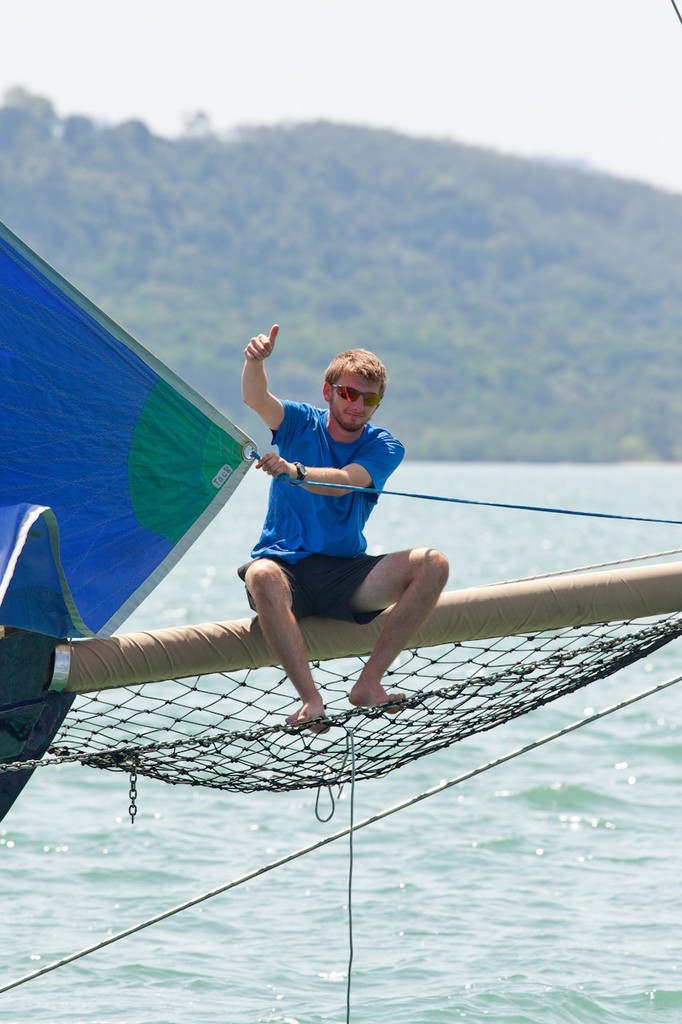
(525, 311)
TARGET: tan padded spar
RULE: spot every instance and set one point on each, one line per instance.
(473, 614)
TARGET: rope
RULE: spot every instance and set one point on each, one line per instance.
(351, 831)
(350, 755)
(348, 831)
(595, 565)
(253, 454)
(490, 504)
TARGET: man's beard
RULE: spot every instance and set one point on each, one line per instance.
(351, 428)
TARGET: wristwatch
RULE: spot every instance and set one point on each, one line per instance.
(301, 471)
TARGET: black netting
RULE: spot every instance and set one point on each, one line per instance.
(228, 731)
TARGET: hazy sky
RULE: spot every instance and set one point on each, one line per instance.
(596, 80)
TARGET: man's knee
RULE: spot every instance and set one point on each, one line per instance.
(266, 580)
(435, 566)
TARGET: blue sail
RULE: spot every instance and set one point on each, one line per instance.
(111, 466)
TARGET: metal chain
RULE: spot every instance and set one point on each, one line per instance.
(132, 793)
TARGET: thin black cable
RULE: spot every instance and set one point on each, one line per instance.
(677, 11)
(350, 741)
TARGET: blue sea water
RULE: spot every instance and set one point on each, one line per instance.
(547, 890)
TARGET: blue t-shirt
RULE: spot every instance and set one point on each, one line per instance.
(300, 522)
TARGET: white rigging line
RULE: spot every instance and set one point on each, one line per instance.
(349, 830)
(589, 568)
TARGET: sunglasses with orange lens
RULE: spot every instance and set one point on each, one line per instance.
(369, 398)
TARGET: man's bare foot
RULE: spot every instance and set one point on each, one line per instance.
(312, 716)
(366, 695)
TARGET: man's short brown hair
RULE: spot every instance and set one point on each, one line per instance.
(360, 362)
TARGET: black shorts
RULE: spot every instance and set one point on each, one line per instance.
(325, 585)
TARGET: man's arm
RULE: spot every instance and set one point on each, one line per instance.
(255, 390)
(353, 475)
